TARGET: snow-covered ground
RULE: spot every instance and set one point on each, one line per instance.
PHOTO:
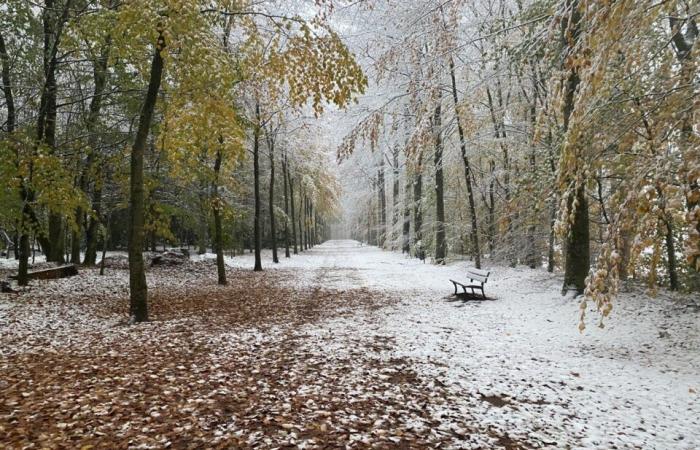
(509, 372)
(519, 362)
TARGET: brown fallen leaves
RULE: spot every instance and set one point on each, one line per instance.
(241, 366)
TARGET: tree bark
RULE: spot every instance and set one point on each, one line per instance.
(307, 224)
(381, 191)
(302, 236)
(203, 232)
(577, 246)
(21, 243)
(406, 244)
(47, 125)
(138, 305)
(285, 177)
(273, 223)
(440, 244)
(302, 219)
(671, 255)
(685, 44)
(293, 216)
(100, 80)
(90, 258)
(256, 186)
(395, 210)
(418, 206)
(7, 86)
(218, 228)
(476, 250)
(552, 208)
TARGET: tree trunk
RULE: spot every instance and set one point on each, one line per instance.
(138, 306)
(476, 250)
(203, 220)
(406, 247)
(273, 224)
(395, 211)
(418, 206)
(685, 44)
(491, 205)
(302, 240)
(23, 241)
(314, 223)
(550, 247)
(307, 234)
(381, 191)
(7, 86)
(100, 79)
(440, 244)
(45, 125)
(285, 176)
(552, 207)
(218, 228)
(256, 183)
(105, 240)
(56, 222)
(577, 246)
(75, 240)
(293, 216)
(577, 254)
(51, 39)
(302, 233)
(534, 255)
(671, 255)
(90, 258)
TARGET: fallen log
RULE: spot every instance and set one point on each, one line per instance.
(52, 273)
(169, 259)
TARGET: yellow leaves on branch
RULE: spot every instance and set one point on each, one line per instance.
(42, 172)
(196, 130)
(316, 66)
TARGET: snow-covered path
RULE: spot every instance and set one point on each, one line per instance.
(518, 364)
(343, 346)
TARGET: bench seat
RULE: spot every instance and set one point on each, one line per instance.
(477, 280)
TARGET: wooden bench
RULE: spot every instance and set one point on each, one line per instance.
(477, 280)
(52, 273)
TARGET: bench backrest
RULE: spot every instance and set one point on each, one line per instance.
(481, 276)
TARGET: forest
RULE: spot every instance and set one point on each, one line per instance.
(555, 134)
(238, 177)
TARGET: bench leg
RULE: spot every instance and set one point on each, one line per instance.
(483, 294)
(455, 285)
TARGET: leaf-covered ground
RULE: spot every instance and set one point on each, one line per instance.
(218, 366)
(342, 347)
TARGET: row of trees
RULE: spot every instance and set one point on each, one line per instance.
(129, 122)
(556, 133)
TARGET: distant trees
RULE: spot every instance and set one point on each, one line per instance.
(166, 86)
(564, 134)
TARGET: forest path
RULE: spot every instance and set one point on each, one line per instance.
(342, 346)
(518, 366)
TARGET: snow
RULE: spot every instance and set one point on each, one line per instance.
(477, 373)
(620, 386)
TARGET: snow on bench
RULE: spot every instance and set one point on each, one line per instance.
(477, 279)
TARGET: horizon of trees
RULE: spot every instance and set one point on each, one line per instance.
(550, 133)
